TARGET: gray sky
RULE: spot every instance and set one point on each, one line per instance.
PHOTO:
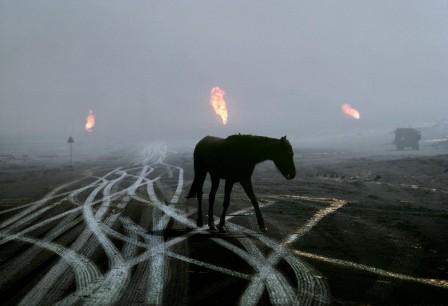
(147, 67)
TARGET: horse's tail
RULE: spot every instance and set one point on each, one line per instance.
(193, 189)
(198, 181)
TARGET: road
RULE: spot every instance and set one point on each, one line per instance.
(122, 233)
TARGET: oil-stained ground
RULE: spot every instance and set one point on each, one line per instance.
(115, 229)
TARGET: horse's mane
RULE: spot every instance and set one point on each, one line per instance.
(248, 137)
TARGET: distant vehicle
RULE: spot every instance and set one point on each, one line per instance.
(407, 138)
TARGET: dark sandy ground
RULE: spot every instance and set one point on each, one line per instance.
(374, 227)
(390, 239)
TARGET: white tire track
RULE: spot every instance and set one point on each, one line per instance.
(103, 207)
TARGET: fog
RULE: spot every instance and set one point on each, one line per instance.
(146, 68)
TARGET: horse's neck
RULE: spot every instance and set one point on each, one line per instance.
(264, 150)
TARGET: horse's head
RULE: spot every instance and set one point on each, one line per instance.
(283, 159)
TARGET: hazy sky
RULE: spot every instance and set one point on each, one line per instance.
(147, 67)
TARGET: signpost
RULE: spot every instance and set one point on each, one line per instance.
(70, 141)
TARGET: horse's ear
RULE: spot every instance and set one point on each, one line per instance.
(283, 138)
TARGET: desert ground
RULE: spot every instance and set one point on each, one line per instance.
(113, 228)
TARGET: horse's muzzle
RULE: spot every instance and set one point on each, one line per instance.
(290, 176)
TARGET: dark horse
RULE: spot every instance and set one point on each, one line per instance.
(233, 159)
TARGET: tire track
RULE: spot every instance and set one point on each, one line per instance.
(15, 266)
(104, 207)
(20, 219)
(37, 294)
(85, 271)
(116, 280)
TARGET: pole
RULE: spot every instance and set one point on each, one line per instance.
(70, 141)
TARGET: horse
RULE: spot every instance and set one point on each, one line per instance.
(234, 159)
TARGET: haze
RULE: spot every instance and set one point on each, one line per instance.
(146, 68)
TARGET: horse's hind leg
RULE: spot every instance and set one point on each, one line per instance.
(211, 201)
(227, 191)
(201, 179)
(199, 221)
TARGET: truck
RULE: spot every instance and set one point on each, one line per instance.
(407, 138)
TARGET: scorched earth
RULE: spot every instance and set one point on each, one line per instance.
(115, 228)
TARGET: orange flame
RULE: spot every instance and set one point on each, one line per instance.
(90, 121)
(218, 103)
(349, 111)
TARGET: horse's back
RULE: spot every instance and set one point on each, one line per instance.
(219, 157)
(209, 140)
(206, 145)
(209, 152)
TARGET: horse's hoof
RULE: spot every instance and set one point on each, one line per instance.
(222, 229)
(264, 229)
(212, 227)
(200, 223)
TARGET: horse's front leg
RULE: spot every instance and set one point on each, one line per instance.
(247, 186)
(211, 202)
(227, 191)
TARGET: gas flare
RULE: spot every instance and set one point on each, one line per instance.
(218, 103)
(350, 111)
(90, 121)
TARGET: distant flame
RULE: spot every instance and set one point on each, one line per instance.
(218, 103)
(90, 121)
(349, 111)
